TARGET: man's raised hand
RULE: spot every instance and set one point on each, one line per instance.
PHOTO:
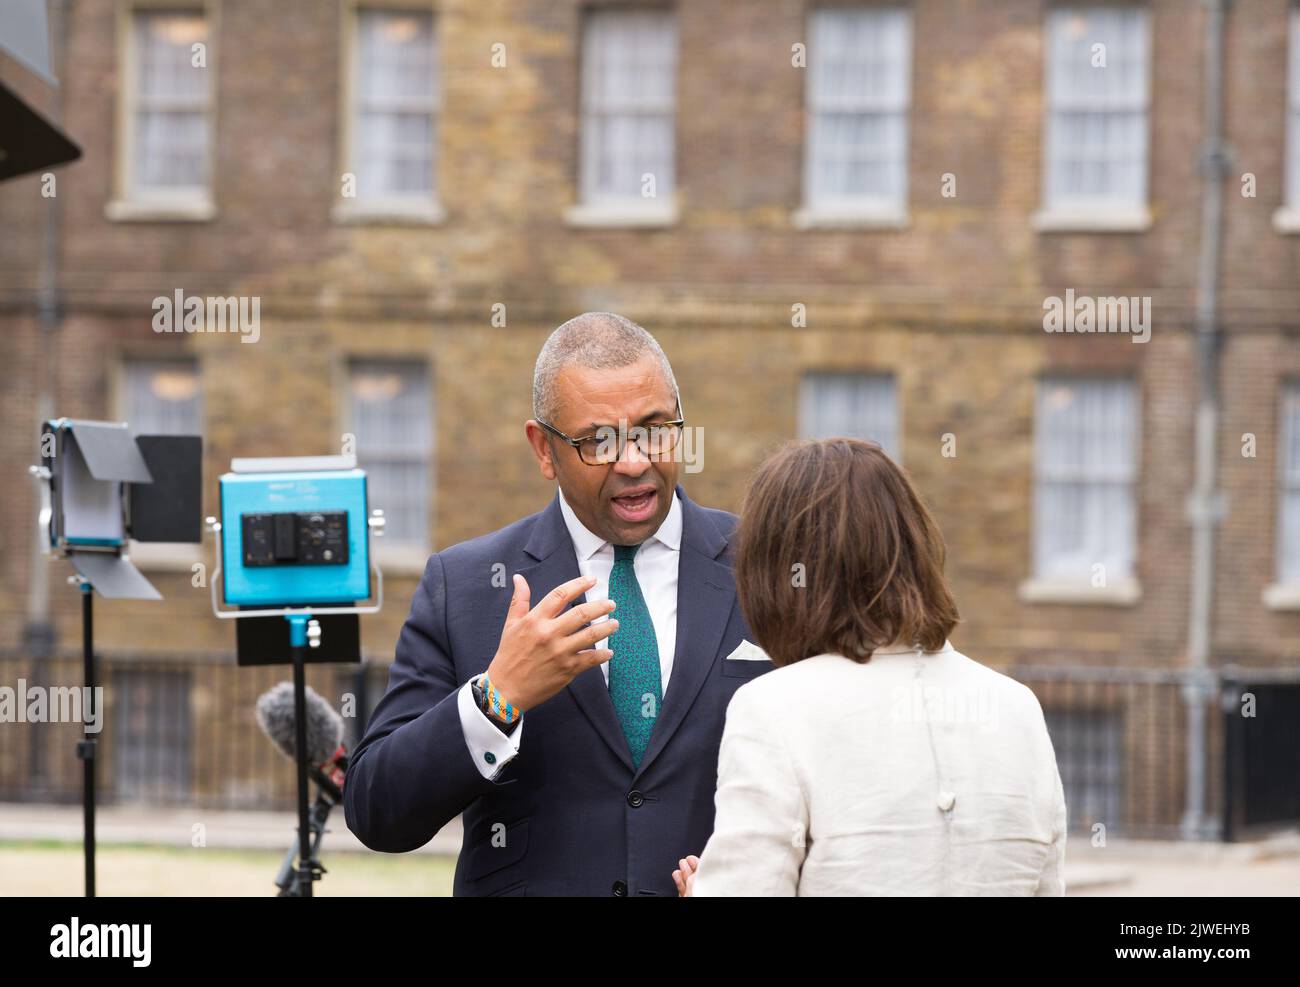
(543, 649)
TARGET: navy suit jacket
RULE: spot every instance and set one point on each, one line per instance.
(577, 817)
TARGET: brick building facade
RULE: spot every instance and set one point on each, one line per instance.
(751, 294)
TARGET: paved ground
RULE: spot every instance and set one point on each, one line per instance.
(1265, 868)
(1122, 868)
(175, 827)
(36, 870)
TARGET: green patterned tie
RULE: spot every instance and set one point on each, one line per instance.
(635, 683)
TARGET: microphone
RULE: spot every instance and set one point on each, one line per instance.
(325, 748)
(275, 715)
(327, 761)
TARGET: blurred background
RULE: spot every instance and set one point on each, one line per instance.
(837, 219)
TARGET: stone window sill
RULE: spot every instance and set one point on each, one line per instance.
(1282, 596)
(160, 210)
(1287, 219)
(1124, 592)
(167, 557)
(389, 212)
(630, 215)
(1098, 220)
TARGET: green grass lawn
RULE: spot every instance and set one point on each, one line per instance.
(41, 868)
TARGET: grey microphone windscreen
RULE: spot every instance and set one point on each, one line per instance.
(324, 726)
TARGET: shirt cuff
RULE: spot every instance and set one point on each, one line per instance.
(489, 748)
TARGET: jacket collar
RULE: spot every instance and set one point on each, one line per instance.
(904, 649)
(587, 543)
(706, 595)
(698, 531)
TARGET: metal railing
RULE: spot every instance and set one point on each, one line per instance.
(175, 732)
(182, 731)
(1120, 736)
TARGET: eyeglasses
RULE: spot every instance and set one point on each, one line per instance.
(606, 445)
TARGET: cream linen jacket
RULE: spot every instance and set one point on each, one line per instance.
(912, 774)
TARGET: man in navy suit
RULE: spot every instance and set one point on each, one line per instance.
(621, 646)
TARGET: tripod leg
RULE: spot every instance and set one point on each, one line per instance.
(286, 878)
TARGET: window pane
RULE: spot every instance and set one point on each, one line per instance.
(1293, 114)
(858, 93)
(392, 419)
(171, 102)
(1097, 94)
(1288, 549)
(151, 735)
(629, 79)
(163, 397)
(1085, 509)
(395, 130)
(854, 406)
(1089, 753)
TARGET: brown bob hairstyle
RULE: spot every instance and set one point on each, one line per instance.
(837, 554)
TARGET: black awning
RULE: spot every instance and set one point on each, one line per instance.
(28, 141)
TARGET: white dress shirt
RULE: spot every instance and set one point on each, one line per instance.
(655, 565)
(913, 774)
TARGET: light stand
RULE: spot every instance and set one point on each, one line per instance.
(101, 486)
(300, 627)
(86, 747)
(292, 548)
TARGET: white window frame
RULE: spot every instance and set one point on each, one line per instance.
(594, 207)
(421, 209)
(130, 203)
(1070, 580)
(1286, 219)
(1284, 593)
(123, 397)
(402, 557)
(157, 556)
(820, 210)
(1093, 214)
(812, 381)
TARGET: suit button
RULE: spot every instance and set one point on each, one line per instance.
(620, 888)
(635, 798)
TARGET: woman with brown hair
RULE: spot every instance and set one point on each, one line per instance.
(875, 759)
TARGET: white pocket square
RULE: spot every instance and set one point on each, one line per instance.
(745, 651)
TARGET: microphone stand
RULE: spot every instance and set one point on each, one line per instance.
(328, 795)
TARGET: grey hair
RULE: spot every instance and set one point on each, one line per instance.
(598, 341)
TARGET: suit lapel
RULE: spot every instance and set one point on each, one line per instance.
(706, 592)
(551, 545)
